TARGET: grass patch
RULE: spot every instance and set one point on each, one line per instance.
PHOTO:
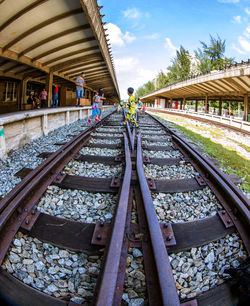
(230, 160)
(245, 147)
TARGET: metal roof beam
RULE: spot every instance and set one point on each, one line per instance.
(71, 44)
(86, 69)
(53, 37)
(21, 13)
(79, 65)
(70, 54)
(40, 26)
(88, 72)
(65, 64)
(12, 67)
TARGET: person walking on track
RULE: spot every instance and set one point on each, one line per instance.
(131, 115)
(95, 106)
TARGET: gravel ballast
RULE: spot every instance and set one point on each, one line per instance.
(200, 269)
(77, 205)
(92, 170)
(52, 270)
(169, 172)
(26, 156)
(185, 206)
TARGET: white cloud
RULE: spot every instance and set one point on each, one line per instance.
(228, 1)
(236, 19)
(128, 37)
(131, 13)
(170, 47)
(247, 32)
(152, 36)
(130, 73)
(116, 37)
(237, 49)
(125, 63)
(245, 44)
(247, 10)
(134, 13)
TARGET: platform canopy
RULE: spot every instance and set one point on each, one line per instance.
(232, 83)
(59, 37)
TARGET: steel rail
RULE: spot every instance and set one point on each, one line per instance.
(233, 198)
(166, 281)
(220, 179)
(111, 269)
(221, 174)
(17, 189)
(236, 196)
(24, 192)
(36, 179)
(206, 120)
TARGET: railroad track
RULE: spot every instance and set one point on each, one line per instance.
(123, 216)
(237, 126)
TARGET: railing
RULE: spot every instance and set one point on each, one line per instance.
(233, 122)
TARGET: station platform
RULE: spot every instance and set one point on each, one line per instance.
(234, 123)
(19, 128)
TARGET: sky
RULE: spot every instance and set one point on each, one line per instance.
(145, 34)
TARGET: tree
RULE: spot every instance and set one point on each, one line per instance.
(143, 90)
(181, 66)
(162, 80)
(212, 56)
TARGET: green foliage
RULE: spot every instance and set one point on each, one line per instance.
(161, 80)
(212, 56)
(230, 160)
(207, 58)
(146, 88)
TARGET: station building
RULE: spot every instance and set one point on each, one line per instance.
(229, 85)
(50, 42)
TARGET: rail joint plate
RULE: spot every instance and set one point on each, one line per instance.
(168, 234)
(225, 218)
(200, 180)
(151, 183)
(146, 160)
(30, 220)
(60, 177)
(115, 182)
(101, 233)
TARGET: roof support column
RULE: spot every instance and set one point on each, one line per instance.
(181, 104)
(238, 109)
(48, 87)
(220, 106)
(166, 103)
(23, 93)
(206, 104)
(246, 108)
(184, 103)
(196, 105)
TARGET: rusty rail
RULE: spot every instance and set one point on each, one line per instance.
(15, 207)
(111, 269)
(164, 271)
(234, 198)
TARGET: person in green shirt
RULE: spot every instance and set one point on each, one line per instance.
(131, 115)
(120, 106)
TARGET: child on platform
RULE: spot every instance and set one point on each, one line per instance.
(131, 115)
(139, 105)
(95, 109)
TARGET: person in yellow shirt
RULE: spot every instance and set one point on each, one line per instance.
(131, 115)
